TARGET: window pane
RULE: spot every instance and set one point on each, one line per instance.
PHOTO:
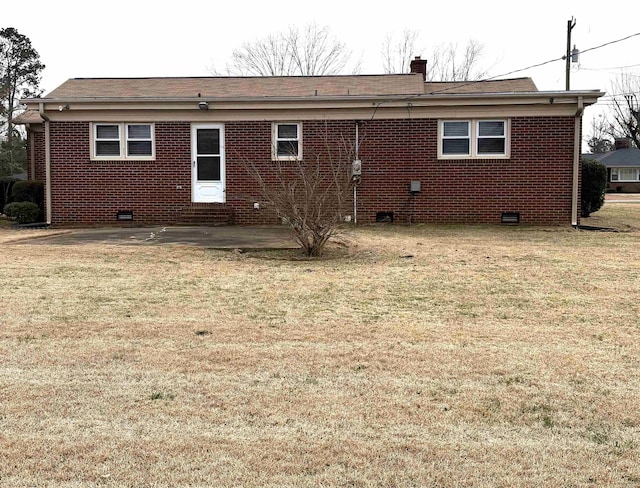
(627, 174)
(139, 148)
(491, 145)
(455, 146)
(108, 131)
(208, 141)
(107, 148)
(456, 129)
(491, 128)
(209, 168)
(287, 131)
(287, 148)
(139, 131)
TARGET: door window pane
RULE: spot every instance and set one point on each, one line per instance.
(208, 168)
(208, 141)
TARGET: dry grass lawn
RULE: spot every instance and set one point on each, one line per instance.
(422, 356)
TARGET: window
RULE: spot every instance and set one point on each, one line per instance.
(107, 140)
(625, 174)
(123, 141)
(460, 139)
(287, 141)
(456, 138)
(491, 138)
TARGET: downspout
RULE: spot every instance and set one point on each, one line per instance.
(47, 162)
(32, 150)
(355, 182)
(576, 163)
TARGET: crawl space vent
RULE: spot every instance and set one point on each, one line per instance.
(384, 216)
(124, 215)
(510, 218)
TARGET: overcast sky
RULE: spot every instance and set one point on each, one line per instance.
(185, 38)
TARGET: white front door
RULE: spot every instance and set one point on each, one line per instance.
(207, 173)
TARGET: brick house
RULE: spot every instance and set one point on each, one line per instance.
(623, 166)
(171, 150)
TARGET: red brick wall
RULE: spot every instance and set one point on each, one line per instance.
(38, 137)
(90, 192)
(535, 181)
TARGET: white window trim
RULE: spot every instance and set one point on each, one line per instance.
(473, 139)
(274, 142)
(124, 146)
(617, 170)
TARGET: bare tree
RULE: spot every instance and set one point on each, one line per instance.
(312, 196)
(397, 54)
(312, 51)
(625, 116)
(449, 62)
(599, 139)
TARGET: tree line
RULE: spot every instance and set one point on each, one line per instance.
(20, 69)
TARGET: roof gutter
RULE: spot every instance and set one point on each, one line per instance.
(576, 162)
(47, 162)
(556, 97)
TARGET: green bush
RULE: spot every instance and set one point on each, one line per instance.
(6, 188)
(594, 185)
(22, 212)
(28, 191)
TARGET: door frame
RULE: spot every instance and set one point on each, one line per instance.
(194, 174)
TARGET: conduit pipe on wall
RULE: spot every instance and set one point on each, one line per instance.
(47, 162)
(576, 162)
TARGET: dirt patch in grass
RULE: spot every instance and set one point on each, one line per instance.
(420, 356)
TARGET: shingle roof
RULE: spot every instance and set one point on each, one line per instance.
(620, 158)
(289, 86)
(492, 86)
(28, 117)
(236, 87)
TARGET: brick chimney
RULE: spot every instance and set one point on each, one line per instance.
(622, 143)
(419, 66)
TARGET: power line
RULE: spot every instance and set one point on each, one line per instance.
(534, 65)
(611, 68)
(610, 42)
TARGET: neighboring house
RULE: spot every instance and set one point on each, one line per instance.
(623, 166)
(172, 150)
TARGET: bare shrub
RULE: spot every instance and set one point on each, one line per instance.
(313, 196)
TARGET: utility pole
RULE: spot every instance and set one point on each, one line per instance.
(570, 25)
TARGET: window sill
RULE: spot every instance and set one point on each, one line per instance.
(106, 159)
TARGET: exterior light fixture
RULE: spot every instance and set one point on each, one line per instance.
(203, 106)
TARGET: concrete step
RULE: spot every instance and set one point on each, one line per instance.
(206, 214)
